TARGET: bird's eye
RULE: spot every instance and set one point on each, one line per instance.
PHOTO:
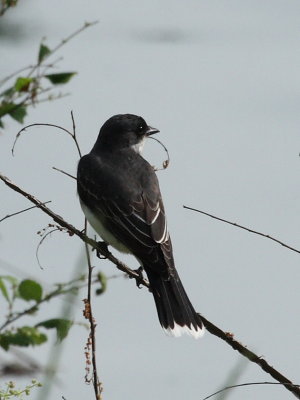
(140, 129)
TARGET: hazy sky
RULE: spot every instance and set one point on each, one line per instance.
(220, 79)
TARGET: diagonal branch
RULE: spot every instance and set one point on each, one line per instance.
(244, 351)
(213, 329)
(73, 231)
(243, 227)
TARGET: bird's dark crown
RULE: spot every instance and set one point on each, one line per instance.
(123, 130)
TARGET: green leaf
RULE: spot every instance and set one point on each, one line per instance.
(1, 124)
(44, 51)
(13, 283)
(24, 337)
(4, 289)
(103, 281)
(18, 113)
(11, 279)
(6, 108)
(62, 326)
(22, 84)
(60, 78)
(30, 290)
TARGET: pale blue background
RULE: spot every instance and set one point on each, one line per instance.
(220, 79)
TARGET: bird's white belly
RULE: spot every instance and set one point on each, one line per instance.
(101, 230)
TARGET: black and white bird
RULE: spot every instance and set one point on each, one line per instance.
(120, 197)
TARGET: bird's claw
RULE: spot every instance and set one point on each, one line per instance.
(140, 278)
(103, 246)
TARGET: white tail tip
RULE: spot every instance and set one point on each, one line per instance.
(178, 331)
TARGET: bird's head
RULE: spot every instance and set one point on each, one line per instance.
(124, 131)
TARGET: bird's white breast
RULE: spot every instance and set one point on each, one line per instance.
(98, 226)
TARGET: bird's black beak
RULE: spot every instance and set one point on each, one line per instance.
(151, 131)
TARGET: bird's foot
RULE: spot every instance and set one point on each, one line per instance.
(103, 246)
(140, 278)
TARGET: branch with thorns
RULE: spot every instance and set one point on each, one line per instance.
(90, 348)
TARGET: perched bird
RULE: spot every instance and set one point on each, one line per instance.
(120, 197)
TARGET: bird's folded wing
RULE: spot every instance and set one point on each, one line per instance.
(140, 225)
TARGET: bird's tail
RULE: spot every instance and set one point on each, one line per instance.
(175, 311)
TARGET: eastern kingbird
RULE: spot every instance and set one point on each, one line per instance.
(120, 197)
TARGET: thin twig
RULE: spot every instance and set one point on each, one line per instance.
(213, 329)
(70, 37)
(165, 163)
(74, 134)
(96, 382)
(51, 97)
(7, 78)
(38, 124)
(48, 66)
(19, 212)
(245, 384)
(41, 242)
(62, 43)
(245, 228)
(64, 172)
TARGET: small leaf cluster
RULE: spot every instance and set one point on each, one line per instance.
(10, 391)
(29, 291)
(31, 85)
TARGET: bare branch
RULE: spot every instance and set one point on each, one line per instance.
(37, 124)
(74, 135)
(245, 228)
(213, 329)
(70, 37)
(62, 43)
(19, 212)
(244, 384)
(64, 172)
(244, 351)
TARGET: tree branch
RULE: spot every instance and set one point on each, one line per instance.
(213, 329)
(243, 227)
(244, 351)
